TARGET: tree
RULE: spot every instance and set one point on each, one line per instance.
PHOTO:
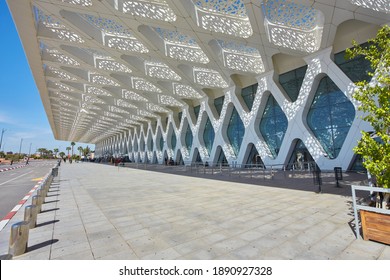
(62, 154)
(87, 150)
(374, 98)
(68, 149)
(72, 144)
(80, 149)
(55, 152)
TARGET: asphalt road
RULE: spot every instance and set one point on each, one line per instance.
(15, 184)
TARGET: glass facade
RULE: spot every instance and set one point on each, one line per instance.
(135, 146)
(142, 145)
(292, 81)
(208, 135)
(196, 112)
(253, 157)
(218, 103)
(189, 138)
(249, 95)
(330, 116)
(179, 116)
(300, 158)
(198, 158)
(357, 164)
(235, 131)
(222, 158)
(173, 141)
(273, 125)
(356, 69)
(161, 143)
(150, 144)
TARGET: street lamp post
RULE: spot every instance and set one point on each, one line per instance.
(2, 133)
(20, 147)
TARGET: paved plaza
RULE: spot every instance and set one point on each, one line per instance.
(96, 211)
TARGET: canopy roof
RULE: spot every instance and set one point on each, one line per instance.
(105, 66)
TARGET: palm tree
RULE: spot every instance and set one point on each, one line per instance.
(55, 152)
(80, 149)
(62, 154)
(41, 151)
(72, 144)
(68, 149)
(87, 150)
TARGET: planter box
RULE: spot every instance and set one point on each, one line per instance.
(375, 226)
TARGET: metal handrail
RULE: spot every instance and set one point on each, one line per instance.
(357, 207)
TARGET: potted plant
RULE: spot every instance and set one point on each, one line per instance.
(374, 146)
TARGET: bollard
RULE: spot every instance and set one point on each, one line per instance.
(37, 201)
(41, 193)
(45, 189)
(18, 239)
(54, 172)
(48, 183)
(30, 215)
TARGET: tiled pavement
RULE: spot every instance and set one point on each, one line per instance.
(98, 211)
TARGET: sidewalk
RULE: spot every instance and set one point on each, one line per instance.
(98, 211)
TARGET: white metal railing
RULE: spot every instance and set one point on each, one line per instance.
(357, 207)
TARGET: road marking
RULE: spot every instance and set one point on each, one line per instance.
(37, 179)
(15, 178)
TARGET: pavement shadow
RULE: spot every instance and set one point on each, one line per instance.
(47, 223)
(49, 210)
(52, 201)
(41, 245)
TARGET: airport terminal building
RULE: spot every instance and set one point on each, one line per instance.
(233, 82)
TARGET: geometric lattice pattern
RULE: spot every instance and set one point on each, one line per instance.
(118, 73)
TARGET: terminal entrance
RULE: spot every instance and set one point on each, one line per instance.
(300, 158)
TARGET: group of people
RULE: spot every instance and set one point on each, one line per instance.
(169, 162)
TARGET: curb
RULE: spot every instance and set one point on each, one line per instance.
(14, 210)
(12, 168)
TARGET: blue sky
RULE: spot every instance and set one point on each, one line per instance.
(21, 111)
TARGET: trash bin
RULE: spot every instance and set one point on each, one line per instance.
(54, 172)
(30, 215)
(19, 238)
(338, 174)
(317, 178)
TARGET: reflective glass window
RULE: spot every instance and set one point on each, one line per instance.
(222, 158)
(218, 103)
(179, 116)
(198, 158)
(135, 146)
(173, 141)
(235, 131)
(330, 116)
(273, 125)
(292, 81)
(189, 138)
(356, 69)
(249, 95)
(150, 144)
(161, 143)
(208, 135)
(142, 145)
(254, 157)
(196, 111)
(300, 157)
